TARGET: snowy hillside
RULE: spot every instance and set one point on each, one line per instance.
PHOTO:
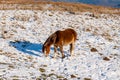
(23, 32)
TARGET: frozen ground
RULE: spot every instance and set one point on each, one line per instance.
(23, 32)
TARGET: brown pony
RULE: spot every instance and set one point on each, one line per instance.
(59, 39)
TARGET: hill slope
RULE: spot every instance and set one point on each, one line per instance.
(23, 32)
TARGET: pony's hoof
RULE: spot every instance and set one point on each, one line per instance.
(72, 55)
(55, 58)
(63, 57)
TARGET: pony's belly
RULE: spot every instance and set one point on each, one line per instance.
(67, 43)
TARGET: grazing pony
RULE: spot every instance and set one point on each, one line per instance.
(59, 39)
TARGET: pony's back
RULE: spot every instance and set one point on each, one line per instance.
(70, 33)
(73, 33)
(66, 36)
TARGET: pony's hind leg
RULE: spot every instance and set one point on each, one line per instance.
(72, 49)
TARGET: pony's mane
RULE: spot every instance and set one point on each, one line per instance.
(51, 38)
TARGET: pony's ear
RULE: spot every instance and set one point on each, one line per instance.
(54, 36)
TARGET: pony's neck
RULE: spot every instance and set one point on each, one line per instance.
(49, 44)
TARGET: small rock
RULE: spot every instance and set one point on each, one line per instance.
(87, 79)
(59, 76)
(73, 76)
(106, 59)
(65, 79)
(94, 50)
(42, 70)
(5, 32)
(0, 50)
(88, 30)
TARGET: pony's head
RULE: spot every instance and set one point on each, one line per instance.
(46, 49)
(48, 43)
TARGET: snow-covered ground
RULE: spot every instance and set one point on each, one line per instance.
(23, 32)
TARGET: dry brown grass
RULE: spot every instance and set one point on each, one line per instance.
(20, 1)
(61, 6)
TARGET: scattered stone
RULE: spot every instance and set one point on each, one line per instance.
(101, 54)
(50, 14)
(1, 79)
(38, 79)
(71, 12)
(15, 77)
(42, 70)
(106, 59)
(11, 66)
(0, 50)
(87, 79)
(94, 50)
(44, 65)
(88, 30)
(51, 74)
(52, 70)
(5, 31)
(59, 76)
(110, 56)
(73, 76)
(78, 78)
(43, 76)
(65, 79)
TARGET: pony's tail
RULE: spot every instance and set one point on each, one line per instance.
(75, 35)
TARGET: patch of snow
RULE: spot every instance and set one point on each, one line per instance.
(23, 32)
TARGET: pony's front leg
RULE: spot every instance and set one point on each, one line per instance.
(61, 50)
(55, 51)
(72, 49)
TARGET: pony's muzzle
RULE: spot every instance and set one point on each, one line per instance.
(46, 54)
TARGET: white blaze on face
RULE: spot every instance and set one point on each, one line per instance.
(45, 51)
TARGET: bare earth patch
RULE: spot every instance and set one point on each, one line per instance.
(56, 6)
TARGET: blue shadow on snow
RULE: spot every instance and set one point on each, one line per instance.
(31, 48)
(27, 47)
